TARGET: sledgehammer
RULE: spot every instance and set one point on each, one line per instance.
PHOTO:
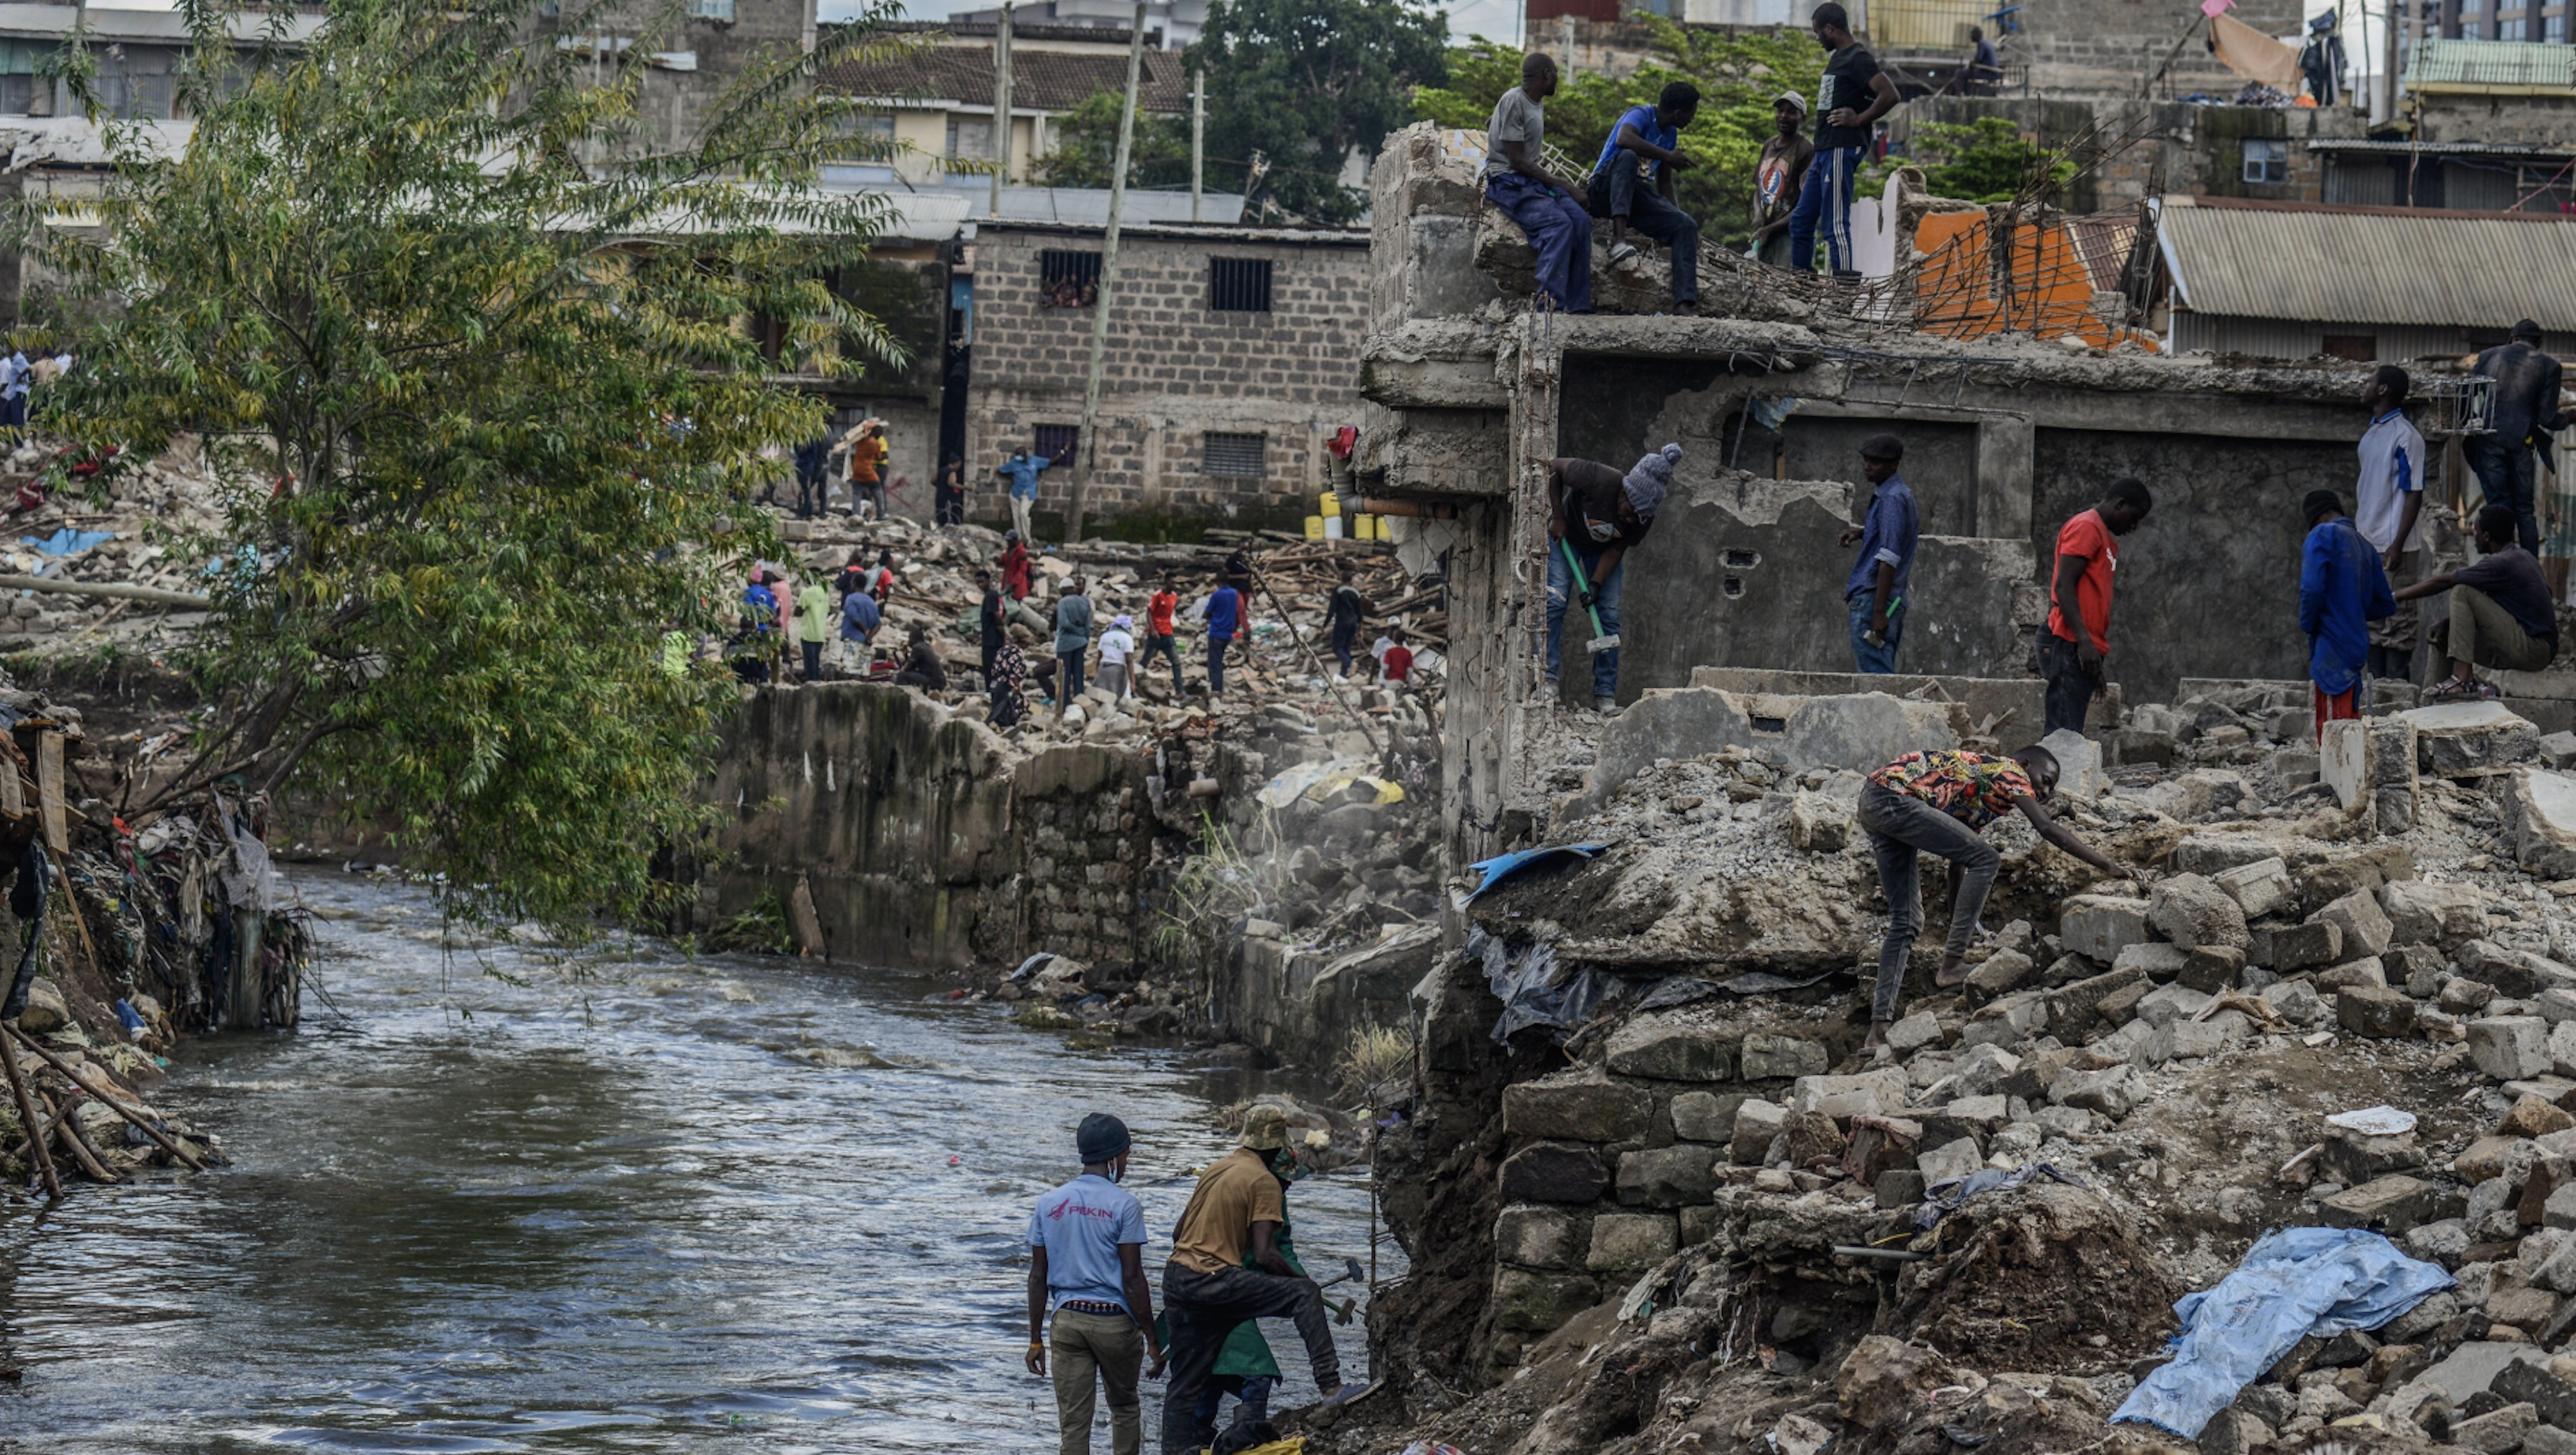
(1601, 641)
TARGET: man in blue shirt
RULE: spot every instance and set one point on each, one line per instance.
(860, 618)
(2342, 589)
(1022, 470)
(1072, 640)
(1087, 1260)
(1644, 137)
(1887, 536)
(1224, 618)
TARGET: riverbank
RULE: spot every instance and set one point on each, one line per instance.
(642, 1203)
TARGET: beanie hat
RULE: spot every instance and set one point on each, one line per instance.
(2317, 503)
(1647, 483)
(1101, 1138)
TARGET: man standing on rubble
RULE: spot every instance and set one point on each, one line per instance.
(2078, 633)
(1601, 514)
(2501, 611)
(1072, 640)
(2526, 411)
(2342, 588)
(1780, 178)
(1887, 535)
(1022, 470)
(2388, 500)
(1208, 1288)
(1159, 630)
(1343, 613)
(1224, 618)
(993, 625)
(1855, 93)
(1940, 802)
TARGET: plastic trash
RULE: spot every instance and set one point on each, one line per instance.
(2294, 1284)
(2374, 1121)
(1504, 866)
(132, 1018)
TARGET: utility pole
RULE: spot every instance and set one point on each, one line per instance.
(1087, 445)
(1002, 105)
(1565, 30)
(1198, 138)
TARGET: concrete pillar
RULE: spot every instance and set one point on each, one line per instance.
(2004, 470)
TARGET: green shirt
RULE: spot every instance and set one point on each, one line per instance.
(1246, 1354)
(813, 612)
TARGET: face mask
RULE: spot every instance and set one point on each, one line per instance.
(1602, 530)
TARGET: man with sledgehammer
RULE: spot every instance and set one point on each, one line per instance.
(1594, 515)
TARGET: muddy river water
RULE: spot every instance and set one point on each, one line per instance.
(664, 1207)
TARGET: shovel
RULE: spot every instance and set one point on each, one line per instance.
(1601, 641)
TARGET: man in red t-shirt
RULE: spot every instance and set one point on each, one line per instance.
(1158, 630)
(2088, 556)
(1397, 664)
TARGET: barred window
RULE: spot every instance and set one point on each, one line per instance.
(1068, 279)
(1243, 456)
(1056, 441)
(1239, 285)
(2266, 160)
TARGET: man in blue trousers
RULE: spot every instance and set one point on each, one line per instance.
(1601, 514)
(1544, 204)
(1633, 186)
(1855, 93)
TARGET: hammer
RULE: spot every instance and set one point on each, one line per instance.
(1601, 641)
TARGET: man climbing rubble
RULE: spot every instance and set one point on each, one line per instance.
(2501, 614)
(1209, 1287)
(1600, 514)
(1940, 802)
(2078, 634)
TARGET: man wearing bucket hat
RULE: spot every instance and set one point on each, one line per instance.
(1598, 513)
(1875, 591)
(1208, 1289)
(1778, 177)
(1087, 1260)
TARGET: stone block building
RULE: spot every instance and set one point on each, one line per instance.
(1233, 357)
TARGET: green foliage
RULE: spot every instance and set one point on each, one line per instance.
(472, 346)
(1738, 75)
(759, 930)
(1086, 147)
(1986, 160)
(1308, 82)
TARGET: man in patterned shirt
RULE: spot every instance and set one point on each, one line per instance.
(1939, 802)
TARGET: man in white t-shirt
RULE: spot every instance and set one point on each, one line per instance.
(2389, 495)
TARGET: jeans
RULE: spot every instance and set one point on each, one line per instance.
(1251, 1393)
(1204, 1309)
(1083, 1352)
(1560, 232)
(947, 506)
(1020, 505)
(1561, 598)
(1216, 665)
(809, 493)
(2070, 692)
(1162, 645)
(2483, 634)
(2506, 473)
(1618, 191)
(1880, 660)
(1824, 204)
(1344, 634)
(813, 660)
(1071, 677)
(1901, 827)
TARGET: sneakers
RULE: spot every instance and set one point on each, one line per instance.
(1606, 706)
(1622, 253)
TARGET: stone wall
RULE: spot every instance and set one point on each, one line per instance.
(1176, 369)
(2108, 48)
(1087, 834)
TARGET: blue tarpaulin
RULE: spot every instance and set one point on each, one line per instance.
(67, 541)
(1504, 866)
(2295, 1283)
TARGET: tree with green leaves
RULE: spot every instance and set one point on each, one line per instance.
(1086, 147)
(475, 352)
(1738, 74)
(1985, 160)
(1310, 83)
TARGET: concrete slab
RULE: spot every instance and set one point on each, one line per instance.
(2343, 762)
(1860, 733)
(2014, 704)
(2540, 821)
(2079, 764)
(2471, 739)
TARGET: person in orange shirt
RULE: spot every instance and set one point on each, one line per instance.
(2088, 555)
(1158, 629)
(867, 467)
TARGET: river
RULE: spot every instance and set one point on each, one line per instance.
(659, 1206)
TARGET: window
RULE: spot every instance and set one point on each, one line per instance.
(1068, 279)
(711, 10)
(870, 132)
(1056, 442)
(2553, 27)
(2360, 348)
(1239, 285)
(969, 139)
(2473, 7)
(2267, 160)
(2512, 27)
(1239, 455)
(17, 95)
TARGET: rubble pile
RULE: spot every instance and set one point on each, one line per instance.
(124, 522)
(2346, 997)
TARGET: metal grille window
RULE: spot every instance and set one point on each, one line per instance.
(2267, 160)
(1244, 456)
(1056, 441)
(1239, 285)
(1068, 279)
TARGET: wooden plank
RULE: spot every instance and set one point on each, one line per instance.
(49, 792)
(13, 789)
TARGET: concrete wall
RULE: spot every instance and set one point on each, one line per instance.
(2106, 47)
(923, 844)
(1176, 370)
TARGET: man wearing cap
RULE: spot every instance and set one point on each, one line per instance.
(2526, 411)
(1601, 514)
(1887, 535)
(1209, 1286)
(2342, 589)
(1779, 177)
(1087, 1259)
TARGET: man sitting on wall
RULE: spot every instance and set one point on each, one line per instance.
(1649, 136)
(2501, 614)
(1518, 181)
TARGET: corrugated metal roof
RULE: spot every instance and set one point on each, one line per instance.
(1040, 80)
(2379, 265)
(2478, 64)
(2440, 148)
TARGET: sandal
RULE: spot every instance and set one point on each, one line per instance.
(2461, 689)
